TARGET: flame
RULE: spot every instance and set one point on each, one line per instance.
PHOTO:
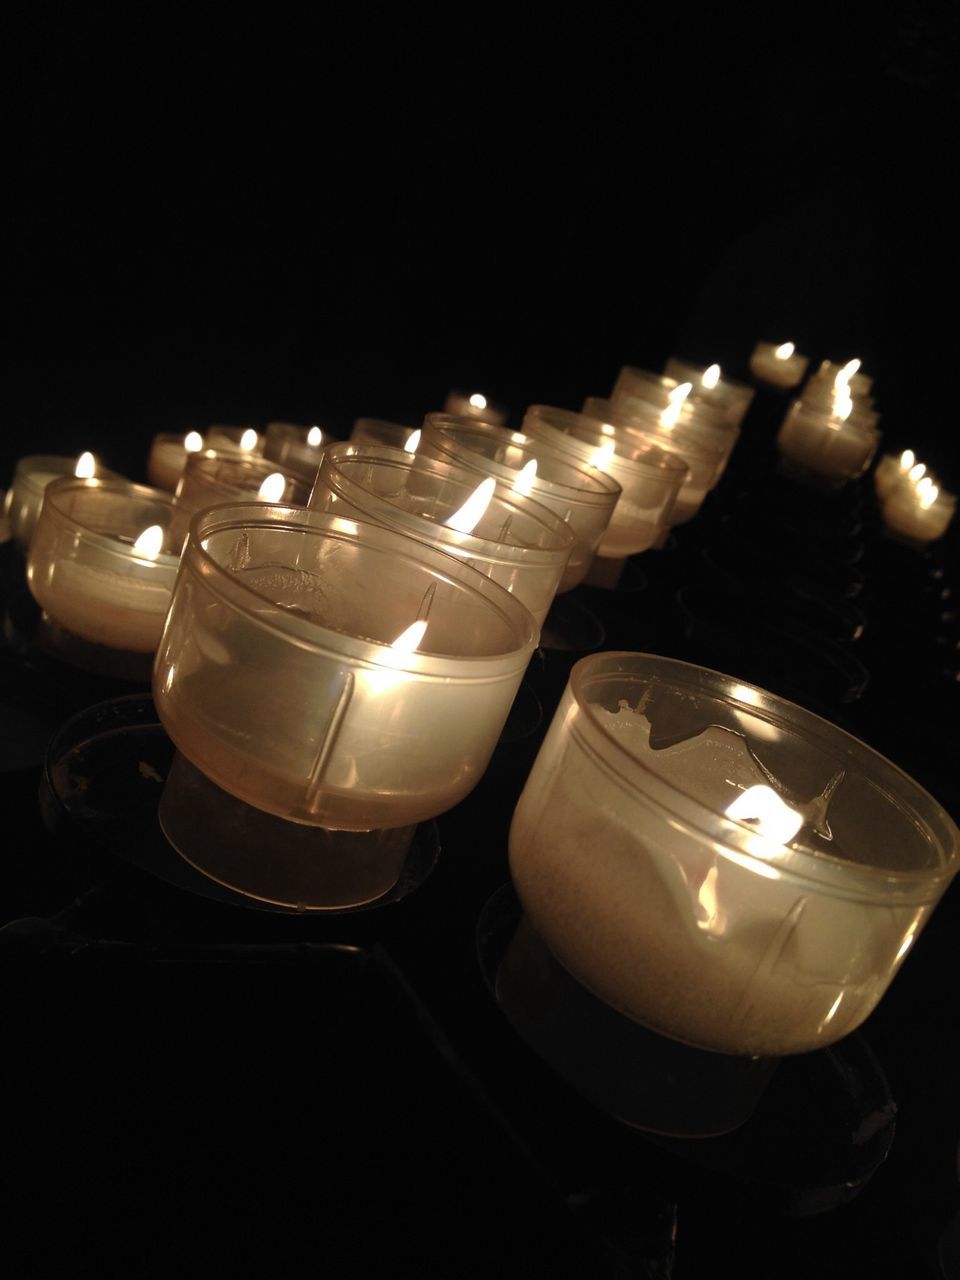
(86, 466)
(149, 543)
(762, 809)
(711, 377)
(846, 373)
(607, 430)
(785, 350)
(907, 459)
(928, 497)
(842, 404)
(525, 480)
(518, 437)
(413, 441)
(471, 513)
(409, 640)
(924, 484)
(682, 390)
(248, 441)
(193, 442)
(271, 490)
(914, 474)
(603, 455)
(477, 401)
(670, 415)
(314, 437)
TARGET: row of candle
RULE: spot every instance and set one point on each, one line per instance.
(913, 506)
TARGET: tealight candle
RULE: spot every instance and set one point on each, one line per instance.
(831, 374)
(168, 457)
(342, 678)
(713, 385)
(778, 364)
(579, 494)
(720, 864)
(918, 513)
(379, 431)
(30, 481)
(825, 445)
(101, 564)
(210, 477)
(520, 544)
(245, 440)
(475, 405)
(890, 469)
(297, 448)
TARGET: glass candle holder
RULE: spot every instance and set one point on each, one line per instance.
(245, 440)
(474, 405)
(648, 399)
(30, 480)
(650, 477)
(705, 461)
(378, 431)
(915, 515)
(335, 683)
(822, 446)
(582, 496)
(296, 447)
(732, 398)
(778, 364)
(514, 540)
(826, 375)
(168, 456)
(102, 567)
(211, 477)
(718, 864)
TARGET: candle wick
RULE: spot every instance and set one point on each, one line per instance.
(426, 604)
(502, 535)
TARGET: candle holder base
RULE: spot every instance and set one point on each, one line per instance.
(104, 775)
(98, 659)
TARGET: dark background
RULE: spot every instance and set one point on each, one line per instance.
(317, 220)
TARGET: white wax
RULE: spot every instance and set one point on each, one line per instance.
(104, 606)
(166, 462)
(766, 365)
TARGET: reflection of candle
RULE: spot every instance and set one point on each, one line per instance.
(778, 364)
(96, 566)
(168, 457)
(30, 480)
(719, 864)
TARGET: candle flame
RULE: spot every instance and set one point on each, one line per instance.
(785, 350)
(914, 474)
(86, 466)
(413, 441)
(846, 373)
(524, 481)
(928, 497)
(271, 490)
(607, 430)
(603, 455)
(518, 437)
(477, 401)
(314, 437)
(193, 442)
(907, 459)
(762, 809)
(711, 377)
(248, 441)
(409, 640)
(842, 404)
(149, 543)
(682, 391)
(471, 513)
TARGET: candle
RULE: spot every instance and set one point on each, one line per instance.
(30, 480)
(719, 864)
(101, 565)
(337, 676)
(475, 405)
(581, 495)
(168, 457)
(732, 398)
(778, 364)
(918, 512)
(246, 440)
(297, 448)
(508, 536)
(211, 477)
(378, 431)
(826, 445)
(830, 374)
(890, 469)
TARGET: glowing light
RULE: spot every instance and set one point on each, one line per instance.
(525, 480)
(785, 350)
(314, 437)
(762, 809)
(603, 455)
(248, 441)
(711, 377)
(929, 497)
(682, 390)
(86, 467)
(149, 543)
(607, 430)
(271, 490)
(413, 441)
(842, 404)
(907, 459)
(915, 472)
(193, 442)
(471, 513)
(409, 640)
(477, 401)
(846, 373)
(671, 414)
(519, 438)
(924, 484)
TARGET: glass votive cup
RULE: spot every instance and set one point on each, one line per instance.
(581, 495)
(292, 678)
(769, 364)
(101, 591)
(474, 405)
(379, 431)
(246, 440)
(30, 480)
(168, 456)
(648, 404)
(910, 518)
(517, 542)
(298, 448)
(733, 398)
(211, 477)
(705, 459)
(650, 477)
(719, 864)
(820, 445)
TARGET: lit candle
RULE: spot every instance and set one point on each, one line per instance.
(830, 446)
(168, 457)
(719, 864)
(890, 469)
(295, 447)
(30, 481)
(475, 405)
(211, 477)
(848, 374)
(918, 512)
(244, 440)
(713, 385)
(100, 564)
(378, 431)
(778, 364)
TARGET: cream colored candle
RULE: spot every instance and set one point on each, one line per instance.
(778, 364)
(826, 445)
(299, 448)
(30, 481)
(168, 457)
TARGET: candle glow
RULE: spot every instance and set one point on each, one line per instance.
(412, 442)
(248, 441)
(524, 481)
(478, 401)
(314, 437)
(471, 513)
(271, 489)
(907, 459)
(86, 467)
(711, 377)
(149, 542)
(193, 442)
(603, 455)
(784, 351)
